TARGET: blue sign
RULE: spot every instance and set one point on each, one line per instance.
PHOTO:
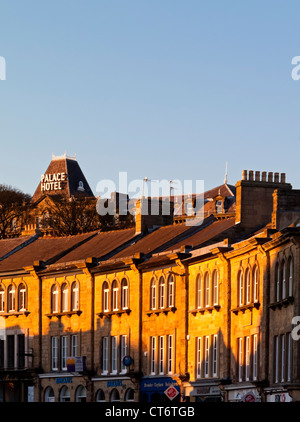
(64, 380)
(158, 385)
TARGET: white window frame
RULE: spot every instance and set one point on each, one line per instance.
(153, 294)
(22, 297)
(215, 351)
(161, 292)
(248, 286)
(255, 284)
(171, 291)
(54, 353)
(124, 293)
(161, 355)
(255, 357)
(64, 352)
(11, 298)
(152, 355)
(114, 355)
(276, 356)
(241, 288)
(289, 356)
(206, 356)
(283, 355)
(199, 295)
(283, 293)
(105, 297)
(123, 353)
(206, 290)
(291, 277)
(115, 296)
(198, 357)
(215, 288)
(75, 296)
(247, 358)
(2, 299)
(104, 355)
(65, 298)
(54, 298)
(74, 345)
(170, 354)
(240, 359)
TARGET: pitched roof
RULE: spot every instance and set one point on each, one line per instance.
(42, 249)
(72, 183)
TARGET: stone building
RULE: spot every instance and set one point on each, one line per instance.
(208, 309)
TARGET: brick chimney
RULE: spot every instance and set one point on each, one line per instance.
(286, 208)
(152, 213)
(254, 197)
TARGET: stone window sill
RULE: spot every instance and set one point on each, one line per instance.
(161, 311)
(110, 313)
(205, 309)
(243, 308)
(60, 314)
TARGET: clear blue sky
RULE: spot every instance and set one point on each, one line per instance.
(168, 89)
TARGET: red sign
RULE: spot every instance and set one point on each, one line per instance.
(249, 398)
(171, 392)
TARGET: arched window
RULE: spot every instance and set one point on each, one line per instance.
(206, 290)
(129, 395)
(161, 292)
(248, 286)
(283, 279)
(11, 292)
(54, 298)
(49, 395)
(115, 396)
(215, 292)
(115, 295)
(64, 297)
(80, 394)
(171, 291)
(199, 295)
(124, 294)
(255, 284)
(75, 296)
(290, 276)
(2, 299)
(100, 396)
(64, 394)
(105, 296)
(22, 297)
(277, 282)
(240, 288)
(153, 294)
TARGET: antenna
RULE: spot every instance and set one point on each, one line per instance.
(225, 179)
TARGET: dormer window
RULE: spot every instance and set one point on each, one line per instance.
(80, 186)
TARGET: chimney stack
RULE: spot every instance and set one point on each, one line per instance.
(254, 197)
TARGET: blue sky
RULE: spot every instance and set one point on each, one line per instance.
(168, 89)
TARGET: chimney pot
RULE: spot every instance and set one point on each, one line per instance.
(276, 177)
(257, 176)
(282, 178)
(250, 174)
(263, 176)
(244, 175)
(270, 176)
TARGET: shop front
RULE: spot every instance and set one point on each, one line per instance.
(160, 390)
(202, 392)
(16, 387)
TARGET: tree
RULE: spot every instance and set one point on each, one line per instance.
(13, 207)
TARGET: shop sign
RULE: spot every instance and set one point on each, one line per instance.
(64, 380)
(171, 392)
(76, 364)
(52, 181)
(117, 383)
